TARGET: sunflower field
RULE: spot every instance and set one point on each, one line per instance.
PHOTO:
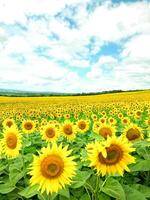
(78, 148)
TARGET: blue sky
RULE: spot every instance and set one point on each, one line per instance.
(74, 46)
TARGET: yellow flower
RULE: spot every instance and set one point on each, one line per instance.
(102, 120)
(82, 126)
(133, 133)
(52, 169)
(106, 130)
(49, 133)
(111, 156)
(147, 122)
(125, 120)
(28, 126)
(69, 130)
(112, 121)
(11, 142)
(8, 123)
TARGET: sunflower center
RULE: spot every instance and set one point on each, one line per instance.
(114, 155)
(52, 166)
(111, 120)
(50, 132)
(68, 129)
(82, 125)
(105, 132)
(138, 113)
(11, 141)
(125, 121)
(28, 126)
(132, 134)
(102, 120)
(149, 122)
(9, 124)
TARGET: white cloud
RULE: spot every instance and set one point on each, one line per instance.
(95, 73)
(112, 23)
(137, 49)
(107, 60)
(107, 23)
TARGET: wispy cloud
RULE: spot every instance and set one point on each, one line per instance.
(74, 46)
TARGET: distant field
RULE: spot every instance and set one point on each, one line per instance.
(93, 147)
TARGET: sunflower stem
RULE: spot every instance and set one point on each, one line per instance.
(87, 192)
(103, 183)
(22, 156)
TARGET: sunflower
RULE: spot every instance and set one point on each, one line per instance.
(94, 117)
(49, 133)
(67, 116)
(147, 122)
(133, 133)
(125, 120)
(11, 142)
(28, 126)
(138, 114)
(112, 120)
(106, 130)
(82, 126)
(8, 123)
(120, 115)
(69, 130)
(111, 156)
(102, 120)
(52, 169)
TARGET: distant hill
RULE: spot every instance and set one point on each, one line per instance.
(18, 93)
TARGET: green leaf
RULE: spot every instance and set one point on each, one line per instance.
(29, 191)
(30, 149)
(15, 175)
(80, 179)
(140, 165)
(65, 193)
(78, 192)
(6, 188)
(3, 166)
(44, 196)
(73, 198)
(103, 196)
(85, 197)
(114, 189)
(141, 143)
(143, 152)
(133, 193)
(143, 189)
(96, 137)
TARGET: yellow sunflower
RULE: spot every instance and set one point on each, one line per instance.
(49, 133)
(138, 114)
(106, 130)
(94, 117)
(28, 126)
(8, 123)
(69, 130)
(102, 120)
(133, 133)
(52, 169)
(125, 121)
(112, 120)
(111, 156)
(82, 126)
(147, 122)
(11, 142)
